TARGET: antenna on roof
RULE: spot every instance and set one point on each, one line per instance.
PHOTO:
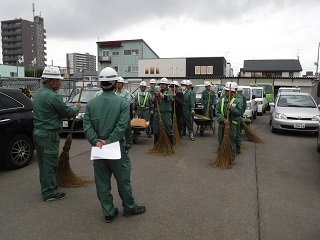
(33, 9)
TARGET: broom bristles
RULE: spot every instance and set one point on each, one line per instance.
(176, 134)
(224, 158)
(250, 133)
(163, 147)
(65, 177)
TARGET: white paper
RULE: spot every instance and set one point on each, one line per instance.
(109, 151)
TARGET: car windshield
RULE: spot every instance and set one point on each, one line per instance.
(302, 101)
(86, 96)
(257, 93)
(246, 93)
(199, 89)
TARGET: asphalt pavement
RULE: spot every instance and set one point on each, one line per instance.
(272, 192)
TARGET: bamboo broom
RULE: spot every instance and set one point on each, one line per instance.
(175, 129)
(65, 177)
(208, 127)
(250, 133)
(163, 147)
(224, 158)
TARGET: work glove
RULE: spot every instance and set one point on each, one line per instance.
(155, 99)
(133, 113)
(193, 112)
(78, 106)
(157, 94)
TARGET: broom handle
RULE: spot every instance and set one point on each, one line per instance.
(229, 99)
(174, 103)
(74, 119)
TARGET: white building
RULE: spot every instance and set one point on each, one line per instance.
(77, 62)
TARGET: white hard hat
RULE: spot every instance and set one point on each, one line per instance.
(164, 81)
(233, 86)
(143, 83)
(240, 88)
(207, 84)
(184, 82)
(51, 72)
(175, 83)
(153, 81)
(189, 83)
(108, 74)
(121, 80)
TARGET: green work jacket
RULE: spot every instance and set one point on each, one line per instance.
(164, 104)
(235, 110)
(205, 98)
(49, 109)
(189, 100)
(106, 117)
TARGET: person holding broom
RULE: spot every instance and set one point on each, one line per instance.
(105, 121)
(177, 103)
(48, 111)
(208, 101)
(234, 106)
(163, 110)
(151, 92)
(243, 100)
(188, 109)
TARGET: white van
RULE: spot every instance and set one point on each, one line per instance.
(252, 107)
(260, 98)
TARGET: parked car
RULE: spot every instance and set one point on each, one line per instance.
(295, 111)
(318, 139)
(260, 98)
(16, 126)
(252, 106)
(87, 95)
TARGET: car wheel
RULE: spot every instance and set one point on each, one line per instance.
(273, 130)
(19, 152)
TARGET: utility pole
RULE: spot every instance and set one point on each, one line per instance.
(317, 63)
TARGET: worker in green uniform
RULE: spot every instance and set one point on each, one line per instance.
(235, 110)
(143, 106)
(162, 104)
(48, 111)
(105, 121)
(188, 108)
(243, 100)
(208, 100)
(151, 92)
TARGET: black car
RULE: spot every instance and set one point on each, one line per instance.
(86, 96)
(16, 126)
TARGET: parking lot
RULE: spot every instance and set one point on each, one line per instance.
(272, 192)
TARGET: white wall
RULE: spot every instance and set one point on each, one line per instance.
(168, 67)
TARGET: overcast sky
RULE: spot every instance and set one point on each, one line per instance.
(236, 29)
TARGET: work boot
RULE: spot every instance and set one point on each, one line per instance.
(155, 139)
(238, 149)
(191, 136)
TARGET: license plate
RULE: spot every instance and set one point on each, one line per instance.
(65, 124)
(299, 125)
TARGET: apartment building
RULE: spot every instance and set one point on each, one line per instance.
(78, 62)
(23, 43)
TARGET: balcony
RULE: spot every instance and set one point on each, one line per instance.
(12, 52)
(9, 46)
(104, 59)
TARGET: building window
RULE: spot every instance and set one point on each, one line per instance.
(105, 53)
(152, 70)
(157, 71)
(197, 70)
(116, 53)
(146, 71)
(127, 52)
(203, 69)
(135, 51)
(116, 68)
(131, 68)
(209, 69)
(256, 74)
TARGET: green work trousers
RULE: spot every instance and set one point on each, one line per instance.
(121, 170)
(47, 147)
(188, 120)
(233, 134)
(167, 121)
(238, 137)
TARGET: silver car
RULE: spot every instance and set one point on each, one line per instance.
(295, 111)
